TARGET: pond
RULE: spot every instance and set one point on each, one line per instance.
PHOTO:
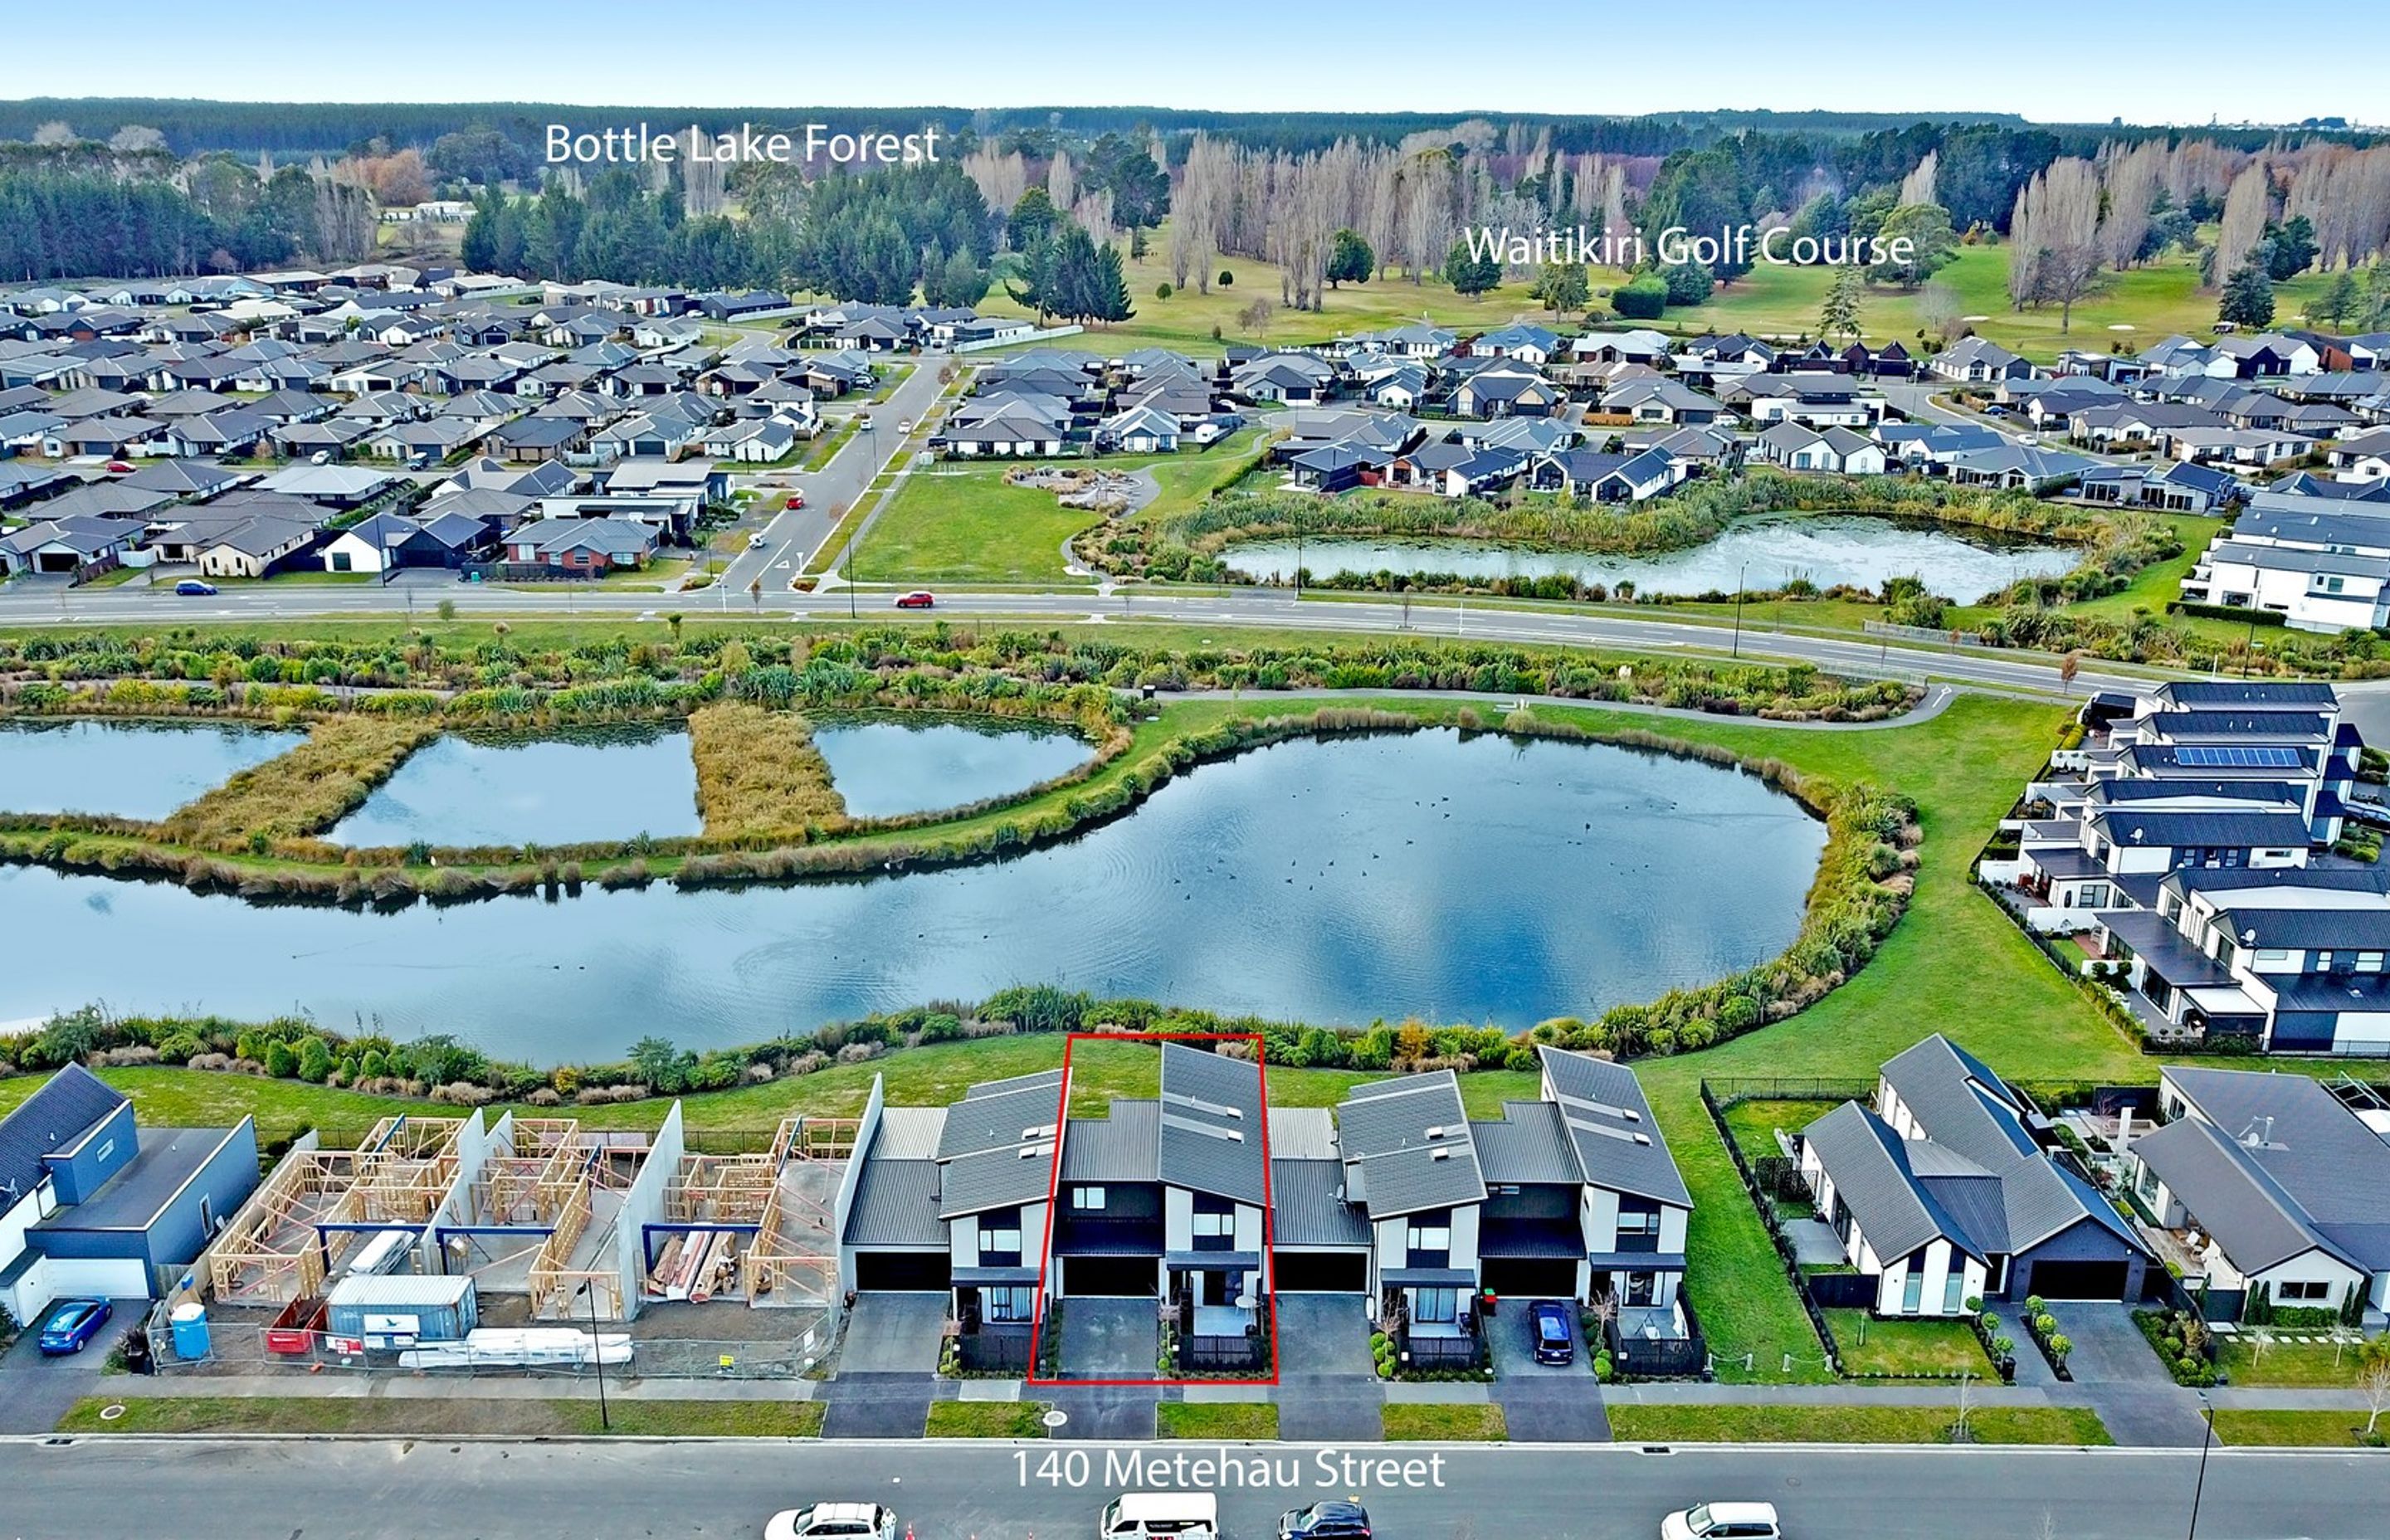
(119, 769)
(1465, 879)
(573, 785)
(1765, 550)
(886, 769)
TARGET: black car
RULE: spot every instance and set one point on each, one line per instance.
(1325, 1522)
(1549, 1330)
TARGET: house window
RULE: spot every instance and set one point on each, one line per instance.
(339, 562)
(1435, 1306)
(1638, 1226)
(1430, 1243)
(2308, 1290)
(2095, 896)
(999, 1238)
(1954, 1286)
(1912, 1290)
(1086, 1198)
(1005, 1304)
(1215, 1223)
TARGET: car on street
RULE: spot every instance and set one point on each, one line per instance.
(71, 1325)
(845, 1521)
(1723, 1521)
(796, 500)
(192, 588)
(863, 420)
(1549, 1332)
(919, 598)
(1331, 1521)
(905, 427)
(118, 467)
(756, 541)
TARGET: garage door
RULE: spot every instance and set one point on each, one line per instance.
(1543, 1277)
(2077, 1280)
(1116, 1276)
(1322, 1272)
(902, 1272)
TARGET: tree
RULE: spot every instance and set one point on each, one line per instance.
(1932, 245)
(1688, 283)
(1469, 274)
(1351, 259)
(2375, 1385)
(1563, 285)
(958, 282)
(1840, 315)
(1642, 299)
(2339, 301)
(656, 1062)
(2290, 247)
(2248, 300)
(1031, 219)
(1127, 170)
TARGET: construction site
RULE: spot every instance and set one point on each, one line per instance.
(707, 1262)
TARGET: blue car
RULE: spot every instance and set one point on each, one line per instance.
(1548, 1328)
(73, 1325)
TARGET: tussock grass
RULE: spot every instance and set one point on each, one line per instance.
(759, 775)
(306, 790)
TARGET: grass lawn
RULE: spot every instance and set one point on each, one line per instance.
(2295, 1429)
(1753, 1121)
(2303, 1364)
(986, 1420)
(1920, 1347)
(312, 1414)
(969, 526)
(1438, 1422)
(2065, 1425)
(1218, 1420)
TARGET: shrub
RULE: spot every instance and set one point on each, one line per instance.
(280, 1062)
(1161, 291)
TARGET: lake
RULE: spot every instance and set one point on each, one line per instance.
(1478, 880)
(121, 769)
(886, 769)
(1766, 551)
(561, 788)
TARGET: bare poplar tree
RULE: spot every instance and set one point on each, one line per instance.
(1061, 185)
(2243, 223)
(1918, 185)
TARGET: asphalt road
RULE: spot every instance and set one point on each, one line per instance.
(495, 1491)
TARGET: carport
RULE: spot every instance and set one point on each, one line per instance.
(1530, 1277)
(1321, 1271)
(1111, 1276)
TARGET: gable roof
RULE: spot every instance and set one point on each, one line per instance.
(1876, 1180)
(66, 1104)
(1960, 1102)
(1406, 1146)
(1617, 1142)
(1212, 1124)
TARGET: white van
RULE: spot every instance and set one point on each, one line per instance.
(1160, 1516)
(1723, 1521)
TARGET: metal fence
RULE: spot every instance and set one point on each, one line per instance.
(1237, 1355)
(998, 1351)
(1685, 1358)
(241, 1350)
(1465, 1351)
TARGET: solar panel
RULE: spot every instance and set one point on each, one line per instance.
(2240, 756)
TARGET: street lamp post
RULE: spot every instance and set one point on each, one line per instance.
(2207, 1411)
(597, 1358)
(1737, 650)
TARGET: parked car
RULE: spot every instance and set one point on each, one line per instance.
(1334, 1520)
(118, 467)
(848, 1521)
(756, 541)
(1160, 1516)
(321, 456)
(919, 598)
(192, 588)
(1723, 1521)
(796, 500)
(1549, 1330)
(72, 1326)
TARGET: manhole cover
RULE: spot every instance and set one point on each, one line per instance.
(110, 1412)
(1054, 1417)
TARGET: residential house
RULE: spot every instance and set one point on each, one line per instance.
(580, 547)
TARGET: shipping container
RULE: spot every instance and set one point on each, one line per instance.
(376, 1314)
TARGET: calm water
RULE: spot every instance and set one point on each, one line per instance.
(885, 769)
(601, 784)
(125, 769)
(1330, 882)
(1768, 551)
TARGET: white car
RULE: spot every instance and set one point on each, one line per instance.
(843, 1521)
(1723, 1521)
(755, 541)
(905, 427)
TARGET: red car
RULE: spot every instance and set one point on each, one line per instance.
(921, 598)
(118, 467)
(796, 500)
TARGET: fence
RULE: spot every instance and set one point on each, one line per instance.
(1784, 1253)
(1841, 1290)
(1236, 1354)
(995, 1350)
(1641, 1357)
(241, 1350)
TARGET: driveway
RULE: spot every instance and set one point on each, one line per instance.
(35, 1391)
(893, 1334)
(1544, 1402)
(2109, 1349)
(1322, 1334)
(1514, 1355)
(1109, 1339)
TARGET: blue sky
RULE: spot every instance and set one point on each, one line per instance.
(2145, 60)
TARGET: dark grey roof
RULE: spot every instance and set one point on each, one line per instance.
(140, 1191)
(65, 1105)
(1121, 1148)
(1960, 1102)
(896, 1204)
(1529, 1143)
(1870, 1165)
(2282, 1166)
(2137, 829)
(2247, 695)
(1002, 1113)
(1406, 1146)
(1618, 1142)
(1212, 1124)
(1309, 1206)
(999, 1178)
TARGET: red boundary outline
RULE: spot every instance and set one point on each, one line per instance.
(1053, 1183)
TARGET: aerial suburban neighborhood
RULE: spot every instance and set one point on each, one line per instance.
(1379, 804)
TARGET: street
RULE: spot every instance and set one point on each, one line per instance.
(74, 1490)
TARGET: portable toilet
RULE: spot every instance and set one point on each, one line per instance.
(190, 1324)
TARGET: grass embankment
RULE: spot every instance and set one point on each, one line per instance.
(986, 1420)
(304, 791)
(1930, 1349)
(1223, 1421)
(1442, 1422)
(2284, 1429)
(953, 525)
(759, 775)
(2303, 1365)
(445, 1417)
(1697, 1424)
